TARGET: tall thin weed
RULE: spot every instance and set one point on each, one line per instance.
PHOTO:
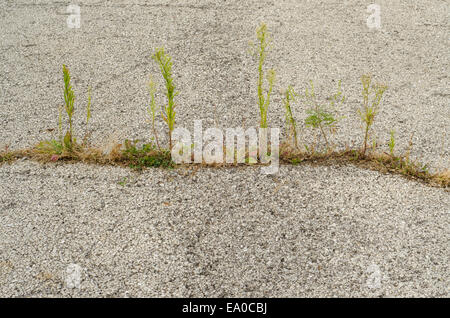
(164, 62)
(69, 99)
(264, 97)
(370, 106)
(289, 97)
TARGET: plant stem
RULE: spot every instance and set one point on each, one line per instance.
(366, 135)
(156, 135)
(324, 136)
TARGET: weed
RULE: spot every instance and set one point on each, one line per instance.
(321, 116)
(374, 161)
(290, 120)
(296, 161)
(88, 115)
(123, 182)
(69, 99)
(6, 155)
(264, 101)
(50, 147)
(442, 178)
(146, 156)
(355, 155)
(165, 64)
(152, 107)
(66, 142)
(370, 108)
(410, 146)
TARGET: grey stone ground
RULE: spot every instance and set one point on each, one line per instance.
(309, 231)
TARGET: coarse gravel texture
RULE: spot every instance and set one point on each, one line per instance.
(308, 231)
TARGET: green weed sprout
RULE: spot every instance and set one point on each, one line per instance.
(370, 108)
(321, 116)
(264, 101)
(146, 156)
(66, 142)
(69, 99)
(152, 108)
(165, 65)
(290, 120)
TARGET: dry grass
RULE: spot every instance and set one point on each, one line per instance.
(125, 155)
(375, 160)
(129, 155)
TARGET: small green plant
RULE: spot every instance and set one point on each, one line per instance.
(50, 147)
(392, 143)
(123, 182)
(296, 161)
(164, 62)
(320, 116)
(370, 108)
(67, 142)
(290, 120)
(145, 156)
(264, 98)
(6, 155)
(152, 107)
(355, 155)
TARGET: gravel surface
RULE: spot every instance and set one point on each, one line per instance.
(308, 231)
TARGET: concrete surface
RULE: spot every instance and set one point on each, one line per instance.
(309, 231)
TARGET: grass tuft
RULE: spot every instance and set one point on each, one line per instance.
(264, 97)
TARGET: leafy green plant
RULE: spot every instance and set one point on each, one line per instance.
(50, 147)
(290, 95)
(145, 156)
(370, 108)
(6, 155)
(264, 98)
(321, 116)
(164, 62)
(152, 108)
